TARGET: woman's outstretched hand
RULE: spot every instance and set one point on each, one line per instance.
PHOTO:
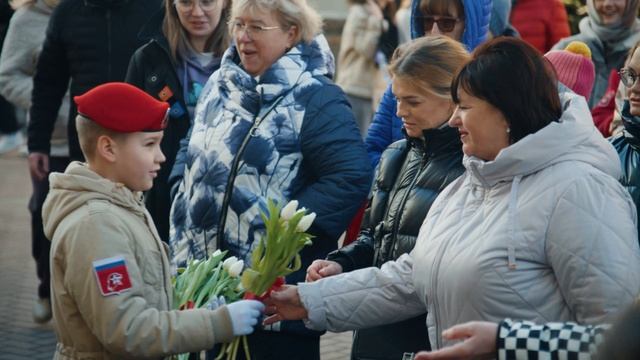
(479, 342)
(284, 304)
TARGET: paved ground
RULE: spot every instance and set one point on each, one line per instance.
(20, 337)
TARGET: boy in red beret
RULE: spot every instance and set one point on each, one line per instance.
(110, 281)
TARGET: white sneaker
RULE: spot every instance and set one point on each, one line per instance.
(10, 142)
(42, 311)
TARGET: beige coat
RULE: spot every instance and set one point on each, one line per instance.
(89, 218)
(356, 60)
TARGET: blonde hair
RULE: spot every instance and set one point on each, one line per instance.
(89, 132)
(178, 38)
(429, 63)
(289, 13)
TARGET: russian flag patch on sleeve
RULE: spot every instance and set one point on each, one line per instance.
(112, 275)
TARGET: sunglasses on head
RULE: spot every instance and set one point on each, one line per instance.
(445, 23)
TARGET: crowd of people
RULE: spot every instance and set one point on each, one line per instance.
(463, 160)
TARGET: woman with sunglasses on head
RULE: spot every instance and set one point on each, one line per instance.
(466, 21)
(270, 124)
(187, 40)
(537, 228)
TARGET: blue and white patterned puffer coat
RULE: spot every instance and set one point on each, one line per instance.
(306, 147)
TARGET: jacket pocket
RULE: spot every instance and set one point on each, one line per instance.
(152, 276)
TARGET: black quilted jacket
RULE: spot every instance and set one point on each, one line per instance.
(411, 174)
(88, 43)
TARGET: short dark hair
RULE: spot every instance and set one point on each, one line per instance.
(88, 133)
(514, 77)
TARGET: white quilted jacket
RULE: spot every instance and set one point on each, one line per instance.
(542, 233)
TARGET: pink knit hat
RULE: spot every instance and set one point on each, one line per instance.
(574, 67)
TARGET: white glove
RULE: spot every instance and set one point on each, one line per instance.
(244, 315)
(216, 303)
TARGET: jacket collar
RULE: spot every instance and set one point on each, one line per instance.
(77, 186)
(250, 94)
(572, 138)
(435, 141)
(631, 126)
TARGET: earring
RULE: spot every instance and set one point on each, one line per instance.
(508, 130)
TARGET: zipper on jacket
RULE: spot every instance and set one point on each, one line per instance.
(229, 188)
(174, 65)
(434, 294)
(233, 172)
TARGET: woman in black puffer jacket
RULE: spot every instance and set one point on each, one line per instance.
(186, 42)
(409, 177)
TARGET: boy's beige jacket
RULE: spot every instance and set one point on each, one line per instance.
(89, 218)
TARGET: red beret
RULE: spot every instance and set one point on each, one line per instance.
(123, 108)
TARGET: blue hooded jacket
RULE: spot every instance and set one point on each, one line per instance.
(386, 126)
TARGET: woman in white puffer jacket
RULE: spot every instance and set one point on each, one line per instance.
(537, 228)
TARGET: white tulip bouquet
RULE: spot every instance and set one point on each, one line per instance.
(277, 254)
(206, 282)
(214, 280)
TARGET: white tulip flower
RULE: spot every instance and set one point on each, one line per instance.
(216, 253)
(229, 262)
(235, 269)
(305, 222)
(289, 210)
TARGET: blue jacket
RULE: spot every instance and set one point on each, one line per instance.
(386, 125)
(302, 143)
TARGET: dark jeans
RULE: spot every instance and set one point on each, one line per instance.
(8, 120)
(271, 345)
(40, 245)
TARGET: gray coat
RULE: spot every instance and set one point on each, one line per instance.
(20, 54)
(543, 233)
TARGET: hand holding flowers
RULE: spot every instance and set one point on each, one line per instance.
(211, 283)
(215, 282)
